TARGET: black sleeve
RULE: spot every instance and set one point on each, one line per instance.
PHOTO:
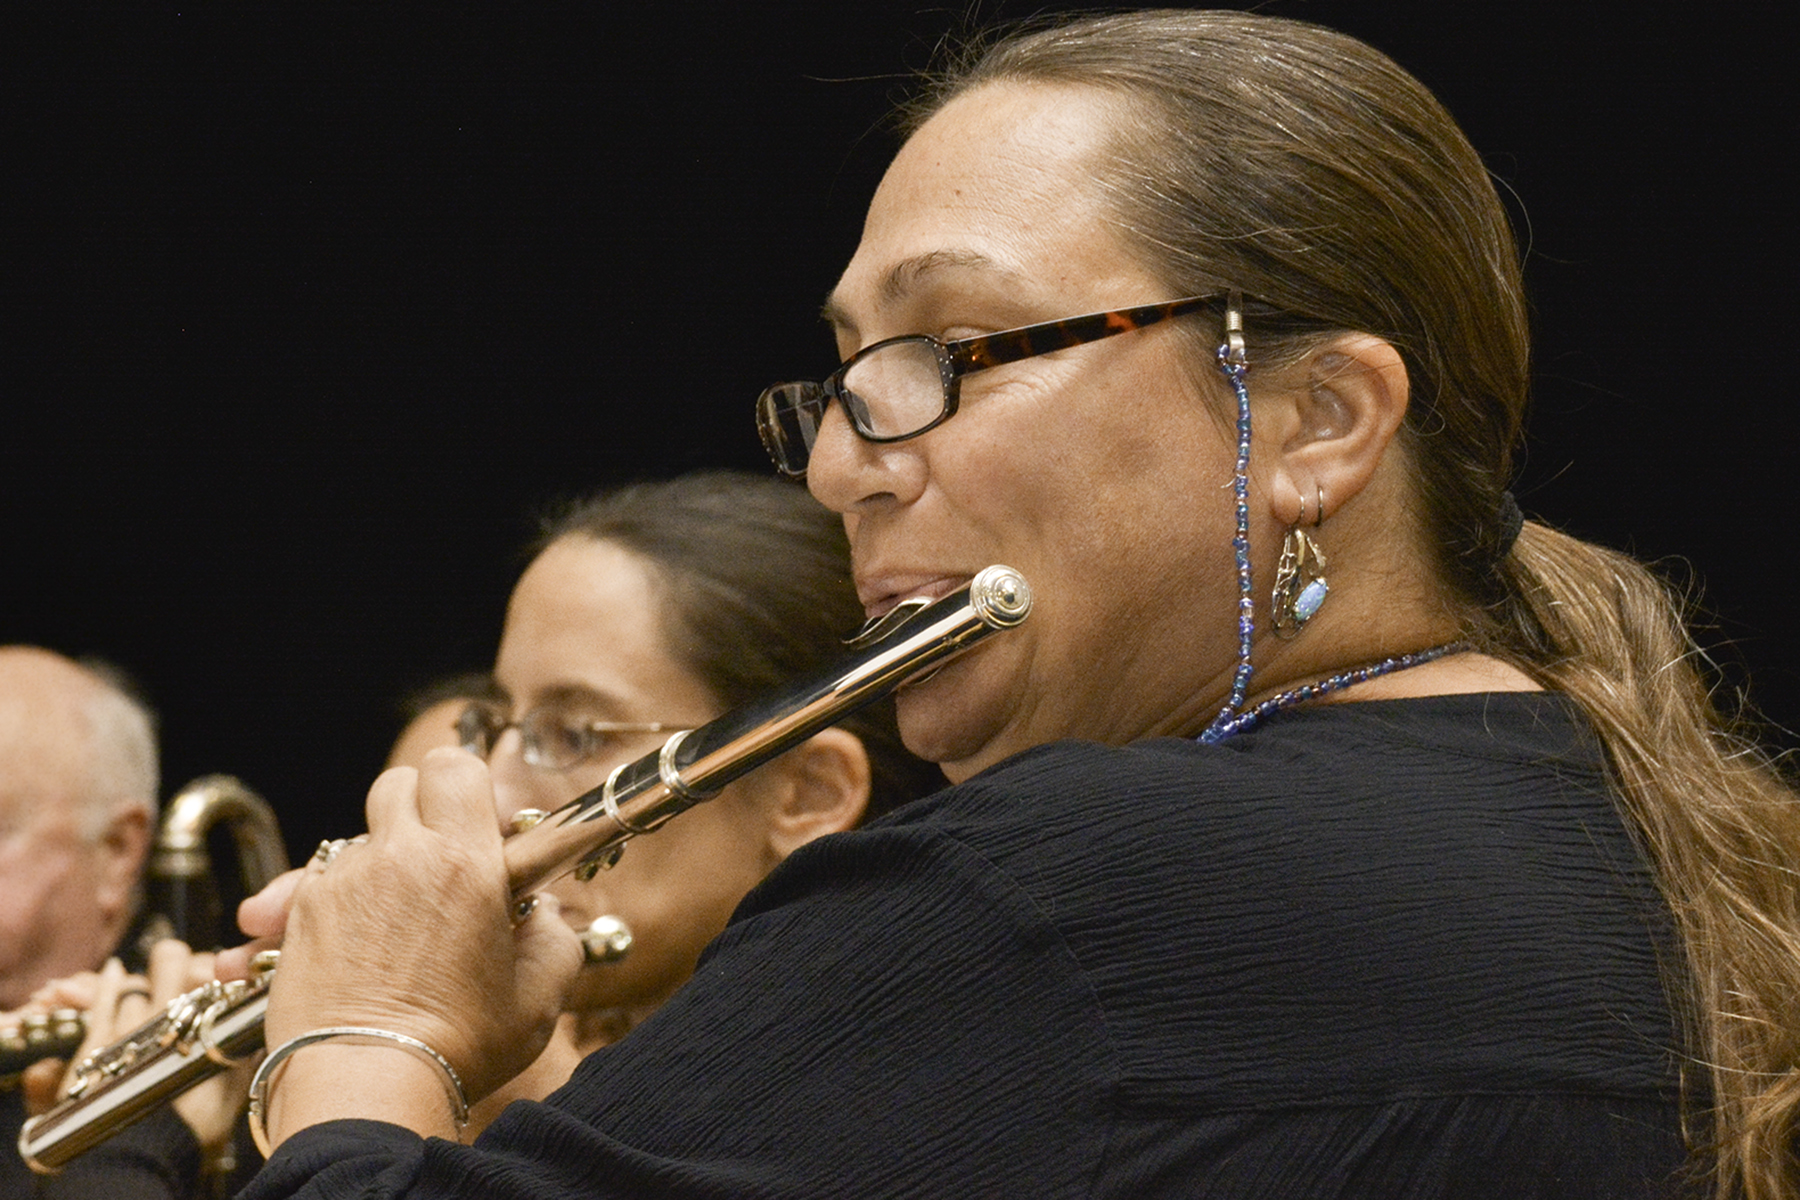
(873, 1022)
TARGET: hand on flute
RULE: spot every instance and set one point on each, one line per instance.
(411, 932)
(41, 1084)
(113, 1003)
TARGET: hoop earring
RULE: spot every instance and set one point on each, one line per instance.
(1318, 513)
(1300, 584)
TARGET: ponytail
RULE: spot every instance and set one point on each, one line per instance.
(1709, 811)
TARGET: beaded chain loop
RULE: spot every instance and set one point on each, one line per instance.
(1219, 730)
(1232, 719)
(1234, 368)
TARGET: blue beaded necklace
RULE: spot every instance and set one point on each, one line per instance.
(1223, 726)
(1233, 718)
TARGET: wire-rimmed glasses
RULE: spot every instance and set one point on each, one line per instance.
(900, 387)
(551, 738)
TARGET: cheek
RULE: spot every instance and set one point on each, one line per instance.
(675, 889)
(1100, 494)
(18, 900)
(517, 786)
(1075, 448)
(33, 903)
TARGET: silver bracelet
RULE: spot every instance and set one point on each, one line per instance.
(264, 1080)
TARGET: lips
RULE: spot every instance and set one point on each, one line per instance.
(880, 593)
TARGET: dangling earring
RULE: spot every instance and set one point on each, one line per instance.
(1300, 585)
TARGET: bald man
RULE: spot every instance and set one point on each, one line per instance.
(78, 787)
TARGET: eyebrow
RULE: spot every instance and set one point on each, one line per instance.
(907, 274)
(570, 695)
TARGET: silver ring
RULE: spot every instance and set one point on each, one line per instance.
(332, 847)
(670, 774)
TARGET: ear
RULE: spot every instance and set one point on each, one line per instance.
(1333, 427)
(122, 847)
(824, 789)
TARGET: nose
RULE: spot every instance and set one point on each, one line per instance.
(515, 784)
(847, 474)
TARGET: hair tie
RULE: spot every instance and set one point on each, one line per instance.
(1511, 522)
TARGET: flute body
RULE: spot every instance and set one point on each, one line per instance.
(54, 1034)
(207, 1030)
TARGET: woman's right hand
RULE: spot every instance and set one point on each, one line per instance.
(211, 1108)
(412, 932)
(41, 1083)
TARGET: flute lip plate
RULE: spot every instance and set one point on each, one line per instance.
(876, 628)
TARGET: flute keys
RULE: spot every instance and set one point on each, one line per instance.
(40, 1030)
(53, 1034)
(606, 860)
(607, 940)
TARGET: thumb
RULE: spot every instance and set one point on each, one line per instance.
(264, 917)
(265, 914)
(41, 1085)
(549, 957)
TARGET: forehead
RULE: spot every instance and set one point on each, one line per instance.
(585, 623)
(44, 759)
(997, 191)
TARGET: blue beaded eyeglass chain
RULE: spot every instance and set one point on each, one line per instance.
(1233, 719)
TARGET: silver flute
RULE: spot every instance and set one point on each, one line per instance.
(207, 1030)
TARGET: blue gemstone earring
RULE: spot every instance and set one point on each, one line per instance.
(1300, 584)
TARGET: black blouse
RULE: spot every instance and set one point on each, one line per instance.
(1382, 949)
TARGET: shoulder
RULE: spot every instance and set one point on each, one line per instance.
(880, 989)
(1384, 766)
(1072, 830)
(1447, 854)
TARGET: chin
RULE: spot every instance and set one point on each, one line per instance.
(943, 721)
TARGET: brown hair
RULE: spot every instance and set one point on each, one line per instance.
(1308, 170)
(756, 574)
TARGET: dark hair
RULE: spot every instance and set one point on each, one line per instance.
(466, 685)
(756, 578)
(1308, 170)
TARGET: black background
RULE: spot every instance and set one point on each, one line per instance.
(304, 316)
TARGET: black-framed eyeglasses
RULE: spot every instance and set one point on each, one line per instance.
(901, 387)
(550, 738)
